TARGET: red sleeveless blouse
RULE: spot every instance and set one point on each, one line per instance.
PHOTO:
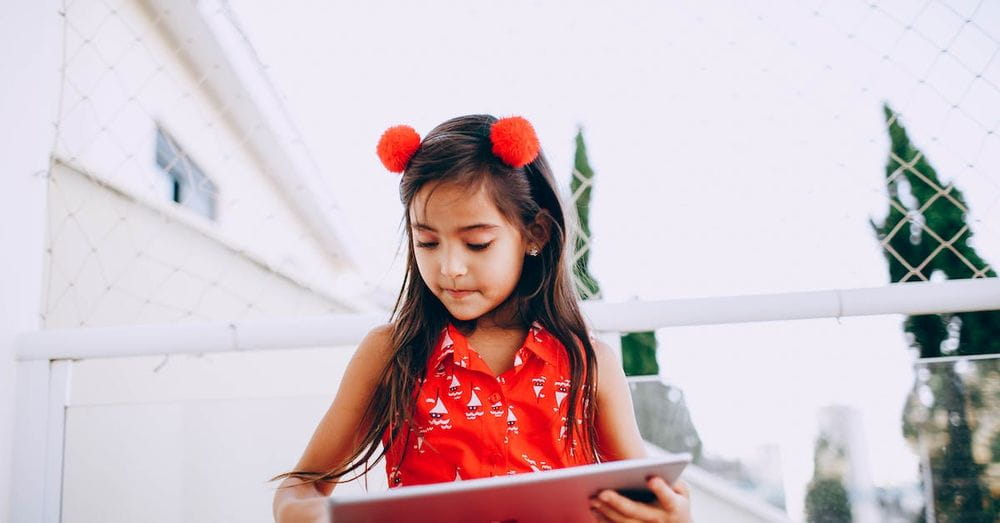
(469, 423)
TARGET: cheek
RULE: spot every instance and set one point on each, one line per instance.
(425, 265)
(504, 271)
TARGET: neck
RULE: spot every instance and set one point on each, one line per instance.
(502, 318)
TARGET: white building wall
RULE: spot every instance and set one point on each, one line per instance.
(29, 63)
(202, 434)
(124, 74)
(116, 260)
(86, 84)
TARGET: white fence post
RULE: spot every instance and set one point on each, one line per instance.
(55, 438)
(32, 41)
(39, 440)
(30, 422)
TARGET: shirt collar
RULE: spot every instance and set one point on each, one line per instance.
(453, 343)
(540, 341)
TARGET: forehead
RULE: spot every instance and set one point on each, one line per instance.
(447, 207)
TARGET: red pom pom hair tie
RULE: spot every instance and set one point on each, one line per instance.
(513, 138)
(396, 146)
(514, 141)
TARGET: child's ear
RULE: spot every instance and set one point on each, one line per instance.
(540, 229)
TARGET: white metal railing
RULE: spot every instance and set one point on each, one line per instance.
(44, 374)
(345, 329)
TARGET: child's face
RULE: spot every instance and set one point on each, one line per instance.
(468, 254)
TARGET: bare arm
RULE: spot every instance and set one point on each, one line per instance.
(617, 431)
(338, 433)
(619, 438)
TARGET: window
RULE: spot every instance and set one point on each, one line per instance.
(186, 184)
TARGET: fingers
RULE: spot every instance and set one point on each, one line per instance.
(616, 507)
(604, 513)
(682, 488)
(667, 496)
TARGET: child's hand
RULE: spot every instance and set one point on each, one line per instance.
(674, 504)
(309, 510)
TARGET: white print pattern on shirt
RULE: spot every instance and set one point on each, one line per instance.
(544, 381)
(537, 383)
(536, 466)
(562, 389)
(531, 463)
(438, 415)
(454, 390)
(419, 446)
(447, 347)
(395, 478)
(536, 329)
(474, 408)
(511, 420)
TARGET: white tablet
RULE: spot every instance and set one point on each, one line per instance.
(550, 495)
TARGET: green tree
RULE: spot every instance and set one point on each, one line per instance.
(827, 501)
(660, 408)
(925, 232)
(580, 186)
(638, 348)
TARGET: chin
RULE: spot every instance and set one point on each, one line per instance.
(463, 315)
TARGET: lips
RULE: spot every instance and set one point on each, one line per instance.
(458, 293)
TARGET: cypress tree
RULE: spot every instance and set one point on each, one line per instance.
(827, 501)
(660, 408)
(925, 232)
(638, 348)
(580, 185)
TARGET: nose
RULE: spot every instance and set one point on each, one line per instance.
(453, 263)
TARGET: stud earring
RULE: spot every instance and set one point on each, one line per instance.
(533, 251)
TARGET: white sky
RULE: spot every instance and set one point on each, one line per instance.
(737, 150)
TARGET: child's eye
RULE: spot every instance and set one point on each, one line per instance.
(479, 246)
(426, 245)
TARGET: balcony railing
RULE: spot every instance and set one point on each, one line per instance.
(186, 422)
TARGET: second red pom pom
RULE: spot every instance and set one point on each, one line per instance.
(396, 146)
(514, 141)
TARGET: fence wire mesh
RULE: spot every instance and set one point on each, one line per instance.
(173, 196)
(168, 198)
(176, 195)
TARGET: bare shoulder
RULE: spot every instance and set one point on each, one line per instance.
(605, 355)
(611, 378)
(379, 335)
(376, 347)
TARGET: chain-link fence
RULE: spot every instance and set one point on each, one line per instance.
(178, 191)
(175, 191)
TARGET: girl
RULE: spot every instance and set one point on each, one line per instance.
(487, 367)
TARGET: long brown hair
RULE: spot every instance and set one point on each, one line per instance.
(459, 151)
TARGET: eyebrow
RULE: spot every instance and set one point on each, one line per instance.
(466, 228)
